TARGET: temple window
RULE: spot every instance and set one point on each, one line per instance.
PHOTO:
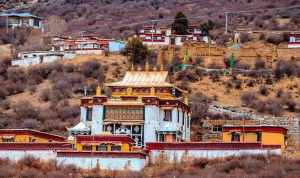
(178, 119)
(167, 115)
(8, 139)
(115, 148)
(235, 137)
(161, 137)
(183, 119)
(89, 113)
(217, 128)
(258, 136)
(124, 113)
(32, 139)
(87, 147)
(102, 147)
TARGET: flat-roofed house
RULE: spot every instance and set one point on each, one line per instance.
(294, 40)
(29, 58)
(24, 19)
(166, 36)
(28, 136)
(264, 134)
(109, 142)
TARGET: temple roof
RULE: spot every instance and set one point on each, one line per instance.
(79, 127)
(144, 79)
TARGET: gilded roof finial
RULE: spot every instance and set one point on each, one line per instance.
(98, 91)
(147, 67)
(161, 67)
(132, 67)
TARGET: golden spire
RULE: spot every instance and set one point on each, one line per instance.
(147, 67)
(132, 67)
(98, 91)
(161, 67)
(152, 91)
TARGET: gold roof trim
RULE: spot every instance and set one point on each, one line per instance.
(124, 103)
(143, 78)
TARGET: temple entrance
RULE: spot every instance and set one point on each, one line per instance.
(168, 137)
(133, 130)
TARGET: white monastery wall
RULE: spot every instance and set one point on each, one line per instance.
(151, 124)
(133, 164)
(97, 119)
(173, 155)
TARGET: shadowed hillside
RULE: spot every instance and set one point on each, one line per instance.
(121, 17)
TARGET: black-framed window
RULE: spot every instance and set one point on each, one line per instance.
(36, 22)
(116, 148)
(178, 118)
(8, 139)
(167, 115)
(235, 137)
(258, 136)
(102, 147)
(87, 147)
(217, 128)
(89, 114)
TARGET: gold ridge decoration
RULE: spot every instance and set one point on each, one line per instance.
(98, 91)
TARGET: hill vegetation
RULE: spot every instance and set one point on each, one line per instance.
(252, 167)
(120, 18)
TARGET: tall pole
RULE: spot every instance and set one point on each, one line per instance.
(152, 32)
(7, 24)
(226, 22)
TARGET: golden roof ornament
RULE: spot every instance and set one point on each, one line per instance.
(161, 67)
(132, 67)
(98, 91)
(147, 67)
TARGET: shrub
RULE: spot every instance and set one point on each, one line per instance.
(188, 75)
(199, 61)
(260, 64)
(24, 109)
(16, 74)
(30, 124)
(263, 90)
(45, 94)
(199, 106)
(215, 66)
(274, 107)
(248, 99)
(3, 93)
(291, 104)
(245, 37)
(274, 39)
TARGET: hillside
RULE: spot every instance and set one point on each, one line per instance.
(119, 18)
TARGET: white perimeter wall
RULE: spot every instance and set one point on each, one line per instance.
(16, 155)
(134, 164)
(89, 51)
(172, 155)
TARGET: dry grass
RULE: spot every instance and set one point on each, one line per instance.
(233, 167)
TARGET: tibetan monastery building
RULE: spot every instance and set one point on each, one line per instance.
(143, 105)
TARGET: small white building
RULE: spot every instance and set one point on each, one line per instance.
(82, 45)
(26, 59)
(14, 20)
(165, 36)
(294, 41)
